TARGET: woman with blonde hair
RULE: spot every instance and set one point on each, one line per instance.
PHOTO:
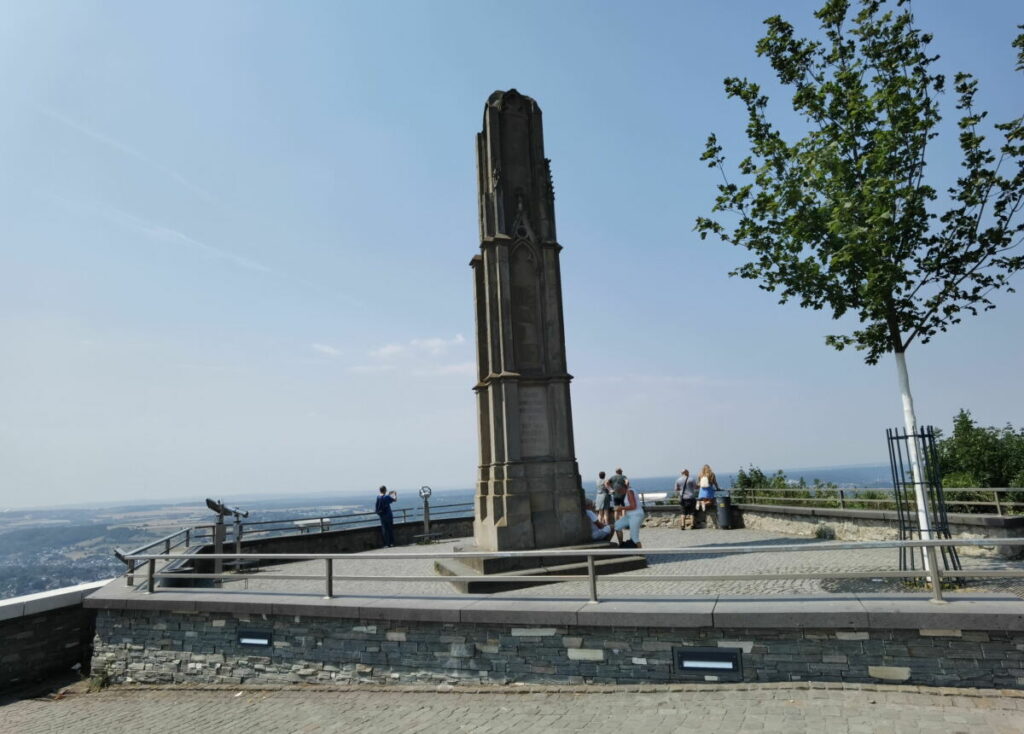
(708, 484)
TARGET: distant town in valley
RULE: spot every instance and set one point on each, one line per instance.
(49, 548)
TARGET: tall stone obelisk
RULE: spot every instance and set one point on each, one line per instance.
(528, 492)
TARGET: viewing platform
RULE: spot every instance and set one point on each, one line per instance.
(718, 606)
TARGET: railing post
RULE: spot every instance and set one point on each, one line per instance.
(999, 507)
(592, 576)
(842, 500)
(238, 543)
(936, 575)
(130, 578)
(167, 546)
(188, 537)
(330, 577)
(151, 576)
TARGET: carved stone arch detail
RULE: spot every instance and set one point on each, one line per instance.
(525, 249)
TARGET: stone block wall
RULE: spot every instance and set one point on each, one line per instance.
(37, 645)
(159, 646)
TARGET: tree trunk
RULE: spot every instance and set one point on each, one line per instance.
(913, 449)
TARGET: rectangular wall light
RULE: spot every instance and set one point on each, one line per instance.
(708, 663)
(257, 639)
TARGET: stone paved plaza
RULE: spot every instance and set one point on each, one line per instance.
(788, 708)
(819, 560)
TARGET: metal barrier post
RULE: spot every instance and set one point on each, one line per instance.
(130, 578)
(188, 537)
(592, 575)
(219, 532)
(842, 500)
(150, 575)
(936, 575)
(238, 542)
(999, 507)
(330, 577)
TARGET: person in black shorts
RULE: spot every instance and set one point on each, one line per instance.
(617, 480)
(686, 489)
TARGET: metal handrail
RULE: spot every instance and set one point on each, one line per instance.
(190, 536)
(934, 576)
(355, 518)
(371, 514)
(843, 497)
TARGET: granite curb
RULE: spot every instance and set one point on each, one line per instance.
(530, 688)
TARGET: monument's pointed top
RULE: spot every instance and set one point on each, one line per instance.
(512, 98)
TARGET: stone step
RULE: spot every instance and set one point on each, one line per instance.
(491, 583)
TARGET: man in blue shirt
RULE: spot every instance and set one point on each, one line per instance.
(387, 521)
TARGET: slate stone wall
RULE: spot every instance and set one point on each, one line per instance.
(45, 643)
(163, 647)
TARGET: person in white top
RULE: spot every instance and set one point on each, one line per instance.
(598, 530)
(632, 517)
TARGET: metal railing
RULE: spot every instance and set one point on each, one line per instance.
(186, 537)
(365, 519)
(933, 577)
(197, 535)
(847, 499)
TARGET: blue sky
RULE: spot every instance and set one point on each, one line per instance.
(234, 246)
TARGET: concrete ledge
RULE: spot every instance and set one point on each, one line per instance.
(848, 611)
(791, 612)
(696, 612)
(45, 601)
(965, 611)
(523, 611)
(417, 610)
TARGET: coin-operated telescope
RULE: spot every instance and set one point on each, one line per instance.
(221, 509)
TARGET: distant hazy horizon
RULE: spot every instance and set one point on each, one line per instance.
(846, 473)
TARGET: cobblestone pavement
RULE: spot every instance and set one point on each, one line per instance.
(724, 709)
(819, 560)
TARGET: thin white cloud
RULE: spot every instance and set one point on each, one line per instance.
(326, 349)
(433, 346)
(130, 152)
(461, 368)
(166, 234)
(437, 345)
(371, 368)
(388, 351)
(659, 380)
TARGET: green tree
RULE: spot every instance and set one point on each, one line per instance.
(843, 219)
(977, 457)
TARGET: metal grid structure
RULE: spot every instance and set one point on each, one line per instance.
(900, 452)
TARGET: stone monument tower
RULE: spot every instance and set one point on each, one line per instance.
(528, 492)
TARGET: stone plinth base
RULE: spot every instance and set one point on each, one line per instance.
(500, 573)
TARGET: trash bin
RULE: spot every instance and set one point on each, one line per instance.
(724, 503)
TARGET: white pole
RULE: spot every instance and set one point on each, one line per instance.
(910, 422)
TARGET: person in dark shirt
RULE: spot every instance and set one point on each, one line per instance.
(387, 521)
